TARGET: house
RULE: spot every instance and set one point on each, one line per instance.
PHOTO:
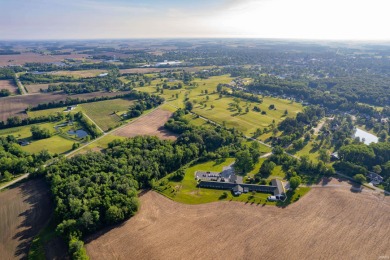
(23, 143)
(334, 156)
(70, 108)
(375, 179)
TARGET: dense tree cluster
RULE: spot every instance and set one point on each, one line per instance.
(294, 128)
(4, 93)
(17, 121)
(40, 133)
(13, 160)
(88, 125)
(144, 102)
(361, 158)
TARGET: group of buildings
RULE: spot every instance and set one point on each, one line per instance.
(228, 180)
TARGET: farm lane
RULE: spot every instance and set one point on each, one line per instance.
(20, 85)
(90, 119)
(24, 176)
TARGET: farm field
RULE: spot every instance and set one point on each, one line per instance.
(8, 84)
(79, 73)
(151, 124)
(20, 59)
(35, 88)
(24, 211)
(106, 113)
(16, 105)
(330, 221)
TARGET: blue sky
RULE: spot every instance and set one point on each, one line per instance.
(91, 19)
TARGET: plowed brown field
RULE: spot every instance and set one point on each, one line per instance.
(151, 124)
(24, 210)
(328, 223)
(8, 84)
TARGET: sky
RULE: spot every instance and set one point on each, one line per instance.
(286, 19)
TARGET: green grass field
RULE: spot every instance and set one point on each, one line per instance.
(51, 111)
(54, 144)
(106, 113)
(101, 144)
(59, 143)
(222, 112)
(22, 132)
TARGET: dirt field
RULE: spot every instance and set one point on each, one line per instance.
(151, 124)
(15, 106)
(35, 88)
(24, 210)
(8, 84)
(328, 223)
(35, 57)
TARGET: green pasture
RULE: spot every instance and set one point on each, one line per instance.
(106, 114)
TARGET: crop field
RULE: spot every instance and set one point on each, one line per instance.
(8, 84)
(24, 211)
(106, 113)
(330, 222)
(150, 124)
(16, 105)
(20, 59)
(36, 88)
(79, 73)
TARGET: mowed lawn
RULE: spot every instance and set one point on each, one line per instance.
(54, 144)
(106, 113)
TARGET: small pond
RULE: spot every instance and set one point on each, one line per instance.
(368, 138)
(80, 133)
